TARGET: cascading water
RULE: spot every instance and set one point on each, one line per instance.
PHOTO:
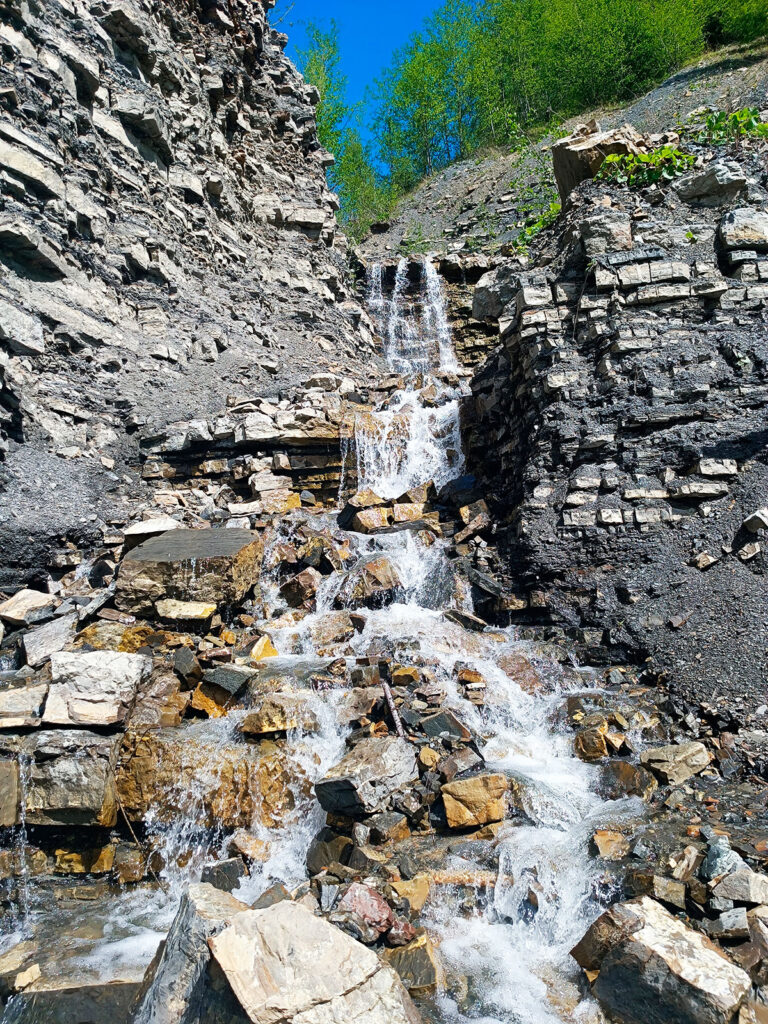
(504, 947)
(417, 437)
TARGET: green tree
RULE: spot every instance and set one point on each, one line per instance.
(363, 196)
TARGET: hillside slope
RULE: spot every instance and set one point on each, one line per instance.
(480, 204)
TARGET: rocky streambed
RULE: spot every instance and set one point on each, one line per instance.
(275, 765)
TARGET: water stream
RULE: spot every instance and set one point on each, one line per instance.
(504, 949)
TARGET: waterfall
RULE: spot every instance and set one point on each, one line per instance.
(417, 438)
(504, 948)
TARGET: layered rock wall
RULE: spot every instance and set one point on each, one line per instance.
(621, 427)
(167, 239)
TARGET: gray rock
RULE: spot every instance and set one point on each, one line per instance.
(655, 969)
(365, 777)
(22, 331)
(719, 182)
(720, 859)
(41, 643)
(743, 886)
(746, 228)
(676, 762)
(68, 776)
(174, 990)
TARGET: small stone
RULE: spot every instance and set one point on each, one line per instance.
(676, 763)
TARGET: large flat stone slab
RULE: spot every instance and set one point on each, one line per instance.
(211, 566)
(286, 965)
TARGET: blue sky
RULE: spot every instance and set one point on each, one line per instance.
(369, 31)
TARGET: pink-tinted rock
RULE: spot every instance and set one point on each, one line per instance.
(370, 905)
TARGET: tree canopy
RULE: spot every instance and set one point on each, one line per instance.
(484, 72)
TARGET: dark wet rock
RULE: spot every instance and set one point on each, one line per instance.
(372, 585)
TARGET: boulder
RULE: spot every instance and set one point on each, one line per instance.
(287, 966)
(494, 291)
(174, 988)
(280, 712)
(677, 762)
(366, 776)
(746, 228)
(70, 776)
(211, 566)
(719, 182)
(743, 886)
(97, 688)
(475, 801)
(581, 154)
(371, 585)
(655, 969)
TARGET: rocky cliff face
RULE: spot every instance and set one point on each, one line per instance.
(621, 426)
(167, 239)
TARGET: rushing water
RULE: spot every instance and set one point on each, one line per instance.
(504, 949)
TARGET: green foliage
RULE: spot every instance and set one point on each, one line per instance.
(488, 72)
(739, 21)
(544, 220)
(661, 165)
(719, 127)
(364, 195)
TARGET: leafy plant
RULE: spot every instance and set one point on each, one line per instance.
(719, 126)
(531, 230)
(643, 169)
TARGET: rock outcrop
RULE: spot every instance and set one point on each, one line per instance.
(167, 240)
(619, 429)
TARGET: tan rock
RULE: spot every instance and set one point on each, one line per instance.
(610, 845)
(415, 890)
(216, 566)
(417, 965)
(287, 966)
(263, 649)
(19, 610)
(280, 712)
(475, 801)
(369, 520)
(185, 611)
